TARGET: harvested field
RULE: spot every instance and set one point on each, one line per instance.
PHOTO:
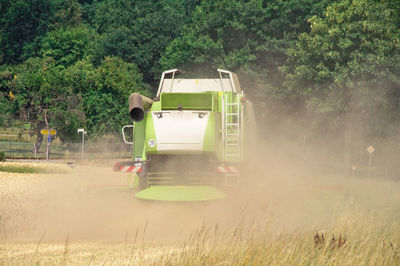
(89, 216)
(32, 167)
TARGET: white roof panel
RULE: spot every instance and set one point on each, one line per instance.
(195, 85)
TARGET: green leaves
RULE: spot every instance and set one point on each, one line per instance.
(21, 21)
(349, 54)
(137, 31)
(81, 95)
(104, 91)
(68, 45)
(248, 37)
(354, 39)
(325, 58)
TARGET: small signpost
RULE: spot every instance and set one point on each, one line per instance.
(82, 130)
(49, 133)
(370, 150)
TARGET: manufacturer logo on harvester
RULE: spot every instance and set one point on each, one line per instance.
(152, 142)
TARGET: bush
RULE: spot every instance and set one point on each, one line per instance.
(25, 169)
(2, 156)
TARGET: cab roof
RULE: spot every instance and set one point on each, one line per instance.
(228, 81)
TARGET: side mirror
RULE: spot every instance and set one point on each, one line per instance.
(123, 134)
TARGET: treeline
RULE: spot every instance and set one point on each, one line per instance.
(312, 64)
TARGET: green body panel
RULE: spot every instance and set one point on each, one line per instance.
(207, 101)
(180, 193)
(150, 134)
(201, 127)
(139, 131)
(219, 102)
(156, 106)
(188, 101)
(210, 136)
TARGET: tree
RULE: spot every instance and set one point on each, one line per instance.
(63, 28)
(41, 99)
(348, 66)
(104, 91)
(137, 31)
(249, 37)
(20, 22)
(81, 95)
(6, 96)
(68, 45)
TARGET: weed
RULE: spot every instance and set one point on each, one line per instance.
(2, 156)
(337, 242)
(29, 169)
(22, 169)
(319, 240)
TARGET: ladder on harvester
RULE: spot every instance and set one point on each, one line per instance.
(232, 134)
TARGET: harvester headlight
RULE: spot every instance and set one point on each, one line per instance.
(159, 115)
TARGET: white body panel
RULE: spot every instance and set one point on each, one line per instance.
(229, 82)
(180, 130)
(195, 85)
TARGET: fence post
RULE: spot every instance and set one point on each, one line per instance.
(369, 164)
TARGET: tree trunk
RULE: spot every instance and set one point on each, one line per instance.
(41, 125)
(350, 121)
(39, 140)
(348, 134)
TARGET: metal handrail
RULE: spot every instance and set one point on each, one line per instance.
(123, 134)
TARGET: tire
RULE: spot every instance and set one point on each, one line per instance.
(143, 177)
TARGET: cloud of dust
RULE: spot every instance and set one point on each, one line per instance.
(92, 203)
(291, 182)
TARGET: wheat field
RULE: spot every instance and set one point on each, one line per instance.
(89, 217)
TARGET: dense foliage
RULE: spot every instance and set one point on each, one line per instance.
(330, 64)
(349, 62)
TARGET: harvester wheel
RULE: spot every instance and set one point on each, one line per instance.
(143, 177)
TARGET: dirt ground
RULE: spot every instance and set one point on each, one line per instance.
(90, 212)
(93, 203)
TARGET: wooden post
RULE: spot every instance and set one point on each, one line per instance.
(47, 149)
(369, 164)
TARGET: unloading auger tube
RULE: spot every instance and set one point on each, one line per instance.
(191, 141)
(136, 106)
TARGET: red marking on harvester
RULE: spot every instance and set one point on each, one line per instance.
(127, 168)
(227, 169)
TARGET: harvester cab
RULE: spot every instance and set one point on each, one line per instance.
(189, 142)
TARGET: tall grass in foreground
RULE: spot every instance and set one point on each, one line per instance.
(364, 244)
(22, 169)
(367, 243)
(26, 168)
(365, 231)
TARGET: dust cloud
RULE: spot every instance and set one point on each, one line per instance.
(285, 187)
(93, 203)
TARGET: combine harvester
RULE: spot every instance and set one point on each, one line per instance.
(189, 143)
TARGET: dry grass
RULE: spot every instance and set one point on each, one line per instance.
(366, 245)
(32, 168)
(312, 221)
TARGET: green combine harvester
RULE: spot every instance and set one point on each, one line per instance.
(189, 143)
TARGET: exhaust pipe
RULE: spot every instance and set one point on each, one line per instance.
(137, 104)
